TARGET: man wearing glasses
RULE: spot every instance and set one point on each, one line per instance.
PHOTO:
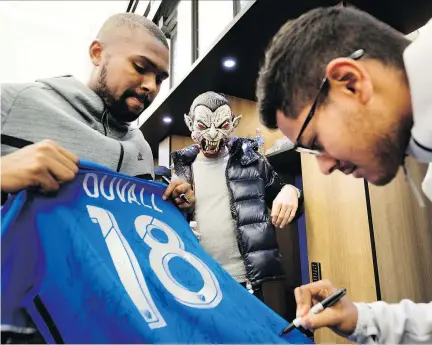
(354, 92)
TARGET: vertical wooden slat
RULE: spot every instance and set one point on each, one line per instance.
(403, 238)
(338, 234)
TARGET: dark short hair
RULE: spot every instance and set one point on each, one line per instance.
(210, 99)
(297, 57)
(132, 21)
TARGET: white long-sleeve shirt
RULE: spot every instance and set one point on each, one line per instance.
(407, 322)
(402, 323)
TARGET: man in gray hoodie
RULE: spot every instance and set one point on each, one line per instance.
(50, 124)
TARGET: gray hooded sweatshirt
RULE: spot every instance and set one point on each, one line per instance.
(68, 112)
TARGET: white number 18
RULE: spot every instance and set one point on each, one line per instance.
(131, 275)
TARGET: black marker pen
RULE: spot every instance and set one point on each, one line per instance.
(317, 308)
(181, 196)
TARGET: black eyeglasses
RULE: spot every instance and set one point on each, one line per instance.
(324, 83)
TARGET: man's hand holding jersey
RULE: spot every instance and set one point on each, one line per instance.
(46, 165)
(178, 187)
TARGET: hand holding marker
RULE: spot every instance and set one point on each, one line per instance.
(317, 308)
(181, 196)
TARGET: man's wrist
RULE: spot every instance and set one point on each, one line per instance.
(295, 188)
(365, 328)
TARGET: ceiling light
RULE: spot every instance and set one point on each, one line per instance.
(167, 119)
(229, 63)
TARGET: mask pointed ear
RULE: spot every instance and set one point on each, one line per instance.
(189, 122)
(236, 120)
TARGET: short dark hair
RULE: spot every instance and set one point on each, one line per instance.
(296, 59)
(210, 99)
(132, 21)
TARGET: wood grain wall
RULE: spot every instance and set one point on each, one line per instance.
(250, 121)
(179, 142)
(403, 238)
(341, 235)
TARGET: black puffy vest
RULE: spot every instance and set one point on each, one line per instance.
(253, 185)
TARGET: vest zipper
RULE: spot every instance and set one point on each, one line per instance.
(233, 214)
(249, 286)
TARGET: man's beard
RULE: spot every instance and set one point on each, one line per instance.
(390, 150)
(118, 108)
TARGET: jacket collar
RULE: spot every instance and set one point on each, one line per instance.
(187, 155)
(246, 147)
(417, 57)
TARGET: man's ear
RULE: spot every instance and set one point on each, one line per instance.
(189, 122)
(349, 77)
(95, 52)
(236, 120)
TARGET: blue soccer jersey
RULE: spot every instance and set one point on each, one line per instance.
(106, 260)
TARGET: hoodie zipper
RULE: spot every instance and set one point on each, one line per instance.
(104, 121)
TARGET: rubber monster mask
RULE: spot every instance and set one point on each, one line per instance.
(211, 122)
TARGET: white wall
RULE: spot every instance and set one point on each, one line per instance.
(164, 152)
(40, 39)
(182, 59)
(213, 17)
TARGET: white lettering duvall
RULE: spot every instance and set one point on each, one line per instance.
(111, 188)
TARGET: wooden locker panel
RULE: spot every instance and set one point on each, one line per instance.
(403, 238)
(280, 295)
(338, 234)
(179, 142)
(250, 121)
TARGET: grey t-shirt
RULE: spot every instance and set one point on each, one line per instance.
(213, 215)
